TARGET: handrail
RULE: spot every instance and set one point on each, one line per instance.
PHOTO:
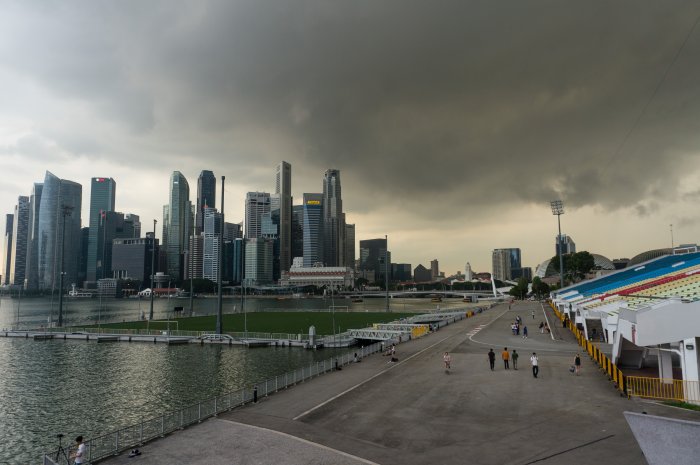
(604, 363)
(114, 442)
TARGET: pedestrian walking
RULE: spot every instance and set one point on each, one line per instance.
(541, 327)
(512, 328)
(535, 364)
(533, 314)
(514, 356)
(492, 358)
(577, 364)
(447, 360)
(505, 356)
(524, 332)
(517, 329)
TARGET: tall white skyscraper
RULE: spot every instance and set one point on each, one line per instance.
(468, 273)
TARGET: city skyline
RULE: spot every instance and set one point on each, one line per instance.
(440, 141)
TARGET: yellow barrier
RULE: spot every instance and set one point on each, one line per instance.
(664, 389)
(605, 364)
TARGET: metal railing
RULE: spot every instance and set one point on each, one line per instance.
(664, 389)
(137, 434)
(604, 363)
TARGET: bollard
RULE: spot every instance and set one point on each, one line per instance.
(255, 395)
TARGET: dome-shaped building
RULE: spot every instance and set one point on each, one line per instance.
(546, 268)
(648, 255)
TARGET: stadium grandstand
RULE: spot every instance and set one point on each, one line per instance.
(644, 316)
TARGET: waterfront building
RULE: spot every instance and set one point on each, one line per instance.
(567, 243)
(256, 205)
(112, 225)
(349, 259)
(7, 249)
(258, 262)
(206, 197)
(434, 269)
(313, 229)
(468, 273)
(373, 256)
(338, 277)
(212, 235)
(506, 264)
(333, 220)
(194, 257)
(401, 272)
(20, 234)
(270, 230)
(31, 280)
(102, 195)
(135, 222)
(82, 260)
(232, 231)
(421, 274)
(60, 209)
(297, 241)
(283, 189)
(132, 258)
(238, 267)
(177, 225)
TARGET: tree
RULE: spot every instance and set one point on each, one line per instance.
(576, 265)
(539, 288)
(519, 290)
(360, 282)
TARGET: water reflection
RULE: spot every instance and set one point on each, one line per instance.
(78, 387)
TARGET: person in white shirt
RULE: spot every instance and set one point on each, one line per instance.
(535, 364)
(81, 452)
(447, 360)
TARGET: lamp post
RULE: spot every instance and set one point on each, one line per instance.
(66, 210)
(219, 313)
(153, 268)
(191, 270)
(386, 269)
(558, 210)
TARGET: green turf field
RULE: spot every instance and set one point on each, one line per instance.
(274, 322)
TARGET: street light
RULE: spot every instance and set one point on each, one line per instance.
(386, 269)
(66, 210)
(558, 210)
(153, 267)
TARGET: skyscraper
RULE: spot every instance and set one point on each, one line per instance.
(135, 222)
(350, 245)
(506, 263)
(435, 269)
(297, 231)
(20, 234)
(568, 245)
(333, 220)
(256, 204)
(313, 229)
(177, 224)
(372, 257)
(102, 195)
(7, 249)
(32, 272)
(61, 201)
(258, 261)
(112, 225)
(206, 196)
(212, 233)
(283, 188)
(270, 230)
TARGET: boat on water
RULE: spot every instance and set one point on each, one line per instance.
(75, 293)
(436, 298)
(357, 300)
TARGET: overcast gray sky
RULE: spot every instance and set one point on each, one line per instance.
(454, 123)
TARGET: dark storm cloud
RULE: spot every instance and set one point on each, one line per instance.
(442, 104)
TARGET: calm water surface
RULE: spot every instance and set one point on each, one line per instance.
(78, 387)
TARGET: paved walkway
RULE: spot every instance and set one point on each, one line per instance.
(412, 412)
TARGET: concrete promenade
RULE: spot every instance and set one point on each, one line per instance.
(413, 412)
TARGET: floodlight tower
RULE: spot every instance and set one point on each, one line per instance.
(558, 210)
